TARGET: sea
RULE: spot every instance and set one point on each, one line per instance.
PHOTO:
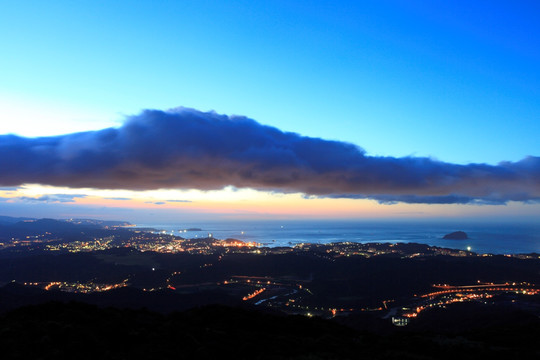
(485, 238)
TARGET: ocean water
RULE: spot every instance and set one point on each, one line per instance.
(494, 238)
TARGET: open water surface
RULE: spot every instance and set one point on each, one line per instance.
(495, 238)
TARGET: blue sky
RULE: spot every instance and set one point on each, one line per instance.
(457, 81)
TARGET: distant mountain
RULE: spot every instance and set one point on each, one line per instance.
(51, 228)
(110, 223)
(49, 225)
(6, 220)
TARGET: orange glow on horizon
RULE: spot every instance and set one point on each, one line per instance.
(248, 203)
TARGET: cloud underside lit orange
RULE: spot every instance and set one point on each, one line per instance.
(235, 204)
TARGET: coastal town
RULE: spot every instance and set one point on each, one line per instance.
(152, 260)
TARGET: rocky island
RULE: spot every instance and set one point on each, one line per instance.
(456, 235)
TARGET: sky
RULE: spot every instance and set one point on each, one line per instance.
(184, 110)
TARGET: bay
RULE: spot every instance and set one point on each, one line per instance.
(484, 237)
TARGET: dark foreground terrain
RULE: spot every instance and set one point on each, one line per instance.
(83, 289)
(77, 330)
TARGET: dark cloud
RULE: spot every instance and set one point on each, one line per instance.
(187, 149)
(446, 199)
(52, 198)
(180, 201)
(155, 202)
(118, 198)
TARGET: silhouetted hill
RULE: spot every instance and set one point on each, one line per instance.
(56, 331)
(7, 220)
(474, 317)
(14, 295)
(349, 282)
(111, 223)
(67, 231)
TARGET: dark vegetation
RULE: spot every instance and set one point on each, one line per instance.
(58, 330)
(343, 282)
(14, 295)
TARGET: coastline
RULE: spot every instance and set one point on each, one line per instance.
(489, 238)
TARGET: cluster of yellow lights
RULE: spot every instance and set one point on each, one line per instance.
(83, 288)
(253, 294)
